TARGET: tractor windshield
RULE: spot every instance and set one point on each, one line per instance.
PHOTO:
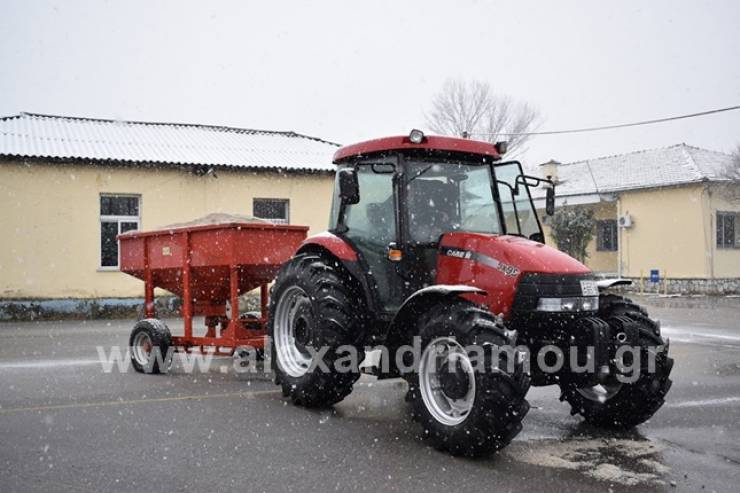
(445, 197)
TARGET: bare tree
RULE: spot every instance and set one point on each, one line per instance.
(732, 173)
(733, 170)
(473, 108)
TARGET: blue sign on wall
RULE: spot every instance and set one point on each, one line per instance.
(654, 275)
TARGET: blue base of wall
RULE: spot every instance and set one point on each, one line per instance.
(709, 287)
(56, 309)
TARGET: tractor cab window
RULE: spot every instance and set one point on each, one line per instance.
(371, 227)
(373, 219)
(445, 197)
(519, 214)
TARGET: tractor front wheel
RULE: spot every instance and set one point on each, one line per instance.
(469, 391)
(626, 404)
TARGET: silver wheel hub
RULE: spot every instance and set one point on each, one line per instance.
(447, 381)
(142, 348)
(294, 320)
(600, 393)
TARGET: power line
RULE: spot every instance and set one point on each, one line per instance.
(620, 125)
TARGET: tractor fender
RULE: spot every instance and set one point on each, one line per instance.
(337, 250)
(604, 284)
(331, 243)
(399, 331)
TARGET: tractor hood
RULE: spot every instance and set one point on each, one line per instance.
(496, 264)
(513, 253)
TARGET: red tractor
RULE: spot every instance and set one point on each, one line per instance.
(435, 240)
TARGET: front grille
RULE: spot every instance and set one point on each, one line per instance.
(533, 286)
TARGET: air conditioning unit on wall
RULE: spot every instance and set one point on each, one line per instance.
(625, 221)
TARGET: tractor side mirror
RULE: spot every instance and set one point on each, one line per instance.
(550, 201)
(349, 186)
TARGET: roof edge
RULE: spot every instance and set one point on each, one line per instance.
(681, 145)
(160, 164)
(699, 181)
(223, 128)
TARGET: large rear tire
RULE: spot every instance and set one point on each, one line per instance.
(624, 405)
(466, 408)
(314, 305)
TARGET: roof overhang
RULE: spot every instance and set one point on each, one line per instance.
(583, 199)
(194, 167)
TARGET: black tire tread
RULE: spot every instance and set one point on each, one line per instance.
(500, 405)
(160, 336)
(340, 320)
(636, 402)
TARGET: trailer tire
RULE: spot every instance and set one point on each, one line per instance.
(627, 404)
(314, 305)
(497, 405)
(149, 337)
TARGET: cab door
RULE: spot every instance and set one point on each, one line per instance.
(372, 226)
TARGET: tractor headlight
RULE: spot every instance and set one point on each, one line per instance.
(576, 304)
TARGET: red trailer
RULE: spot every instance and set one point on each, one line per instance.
(207, 266)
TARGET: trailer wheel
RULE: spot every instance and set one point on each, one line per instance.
(314, 306)
(466, 407)
(149, 345)
(621, 404)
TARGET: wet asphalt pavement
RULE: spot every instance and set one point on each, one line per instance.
(66, 425)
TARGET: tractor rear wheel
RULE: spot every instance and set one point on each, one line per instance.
(467, 397)
(626, 404)
(315, 309)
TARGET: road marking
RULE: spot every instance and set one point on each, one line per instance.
(46, 363)
(706, 402)
(688, 335)
(715, 336)
(80, 405)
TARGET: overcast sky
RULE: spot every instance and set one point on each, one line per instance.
(348, 71)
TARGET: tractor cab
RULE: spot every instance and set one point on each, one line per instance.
(396, 198)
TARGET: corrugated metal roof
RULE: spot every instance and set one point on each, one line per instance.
(33, 135)
(669, 166)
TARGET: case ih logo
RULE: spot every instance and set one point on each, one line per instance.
(459, 253)
(506, 269)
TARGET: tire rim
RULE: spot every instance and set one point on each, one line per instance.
(600, 393)
(445, 355)
(142, 348)
(292, 325)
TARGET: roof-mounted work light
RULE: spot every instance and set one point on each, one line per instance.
(501, 147)
(416, 136)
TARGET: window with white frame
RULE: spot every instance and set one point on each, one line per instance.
(274, 210)
(727, 230)
(118, 214)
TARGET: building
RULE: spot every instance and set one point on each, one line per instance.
(670, 210)
(68, 186)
